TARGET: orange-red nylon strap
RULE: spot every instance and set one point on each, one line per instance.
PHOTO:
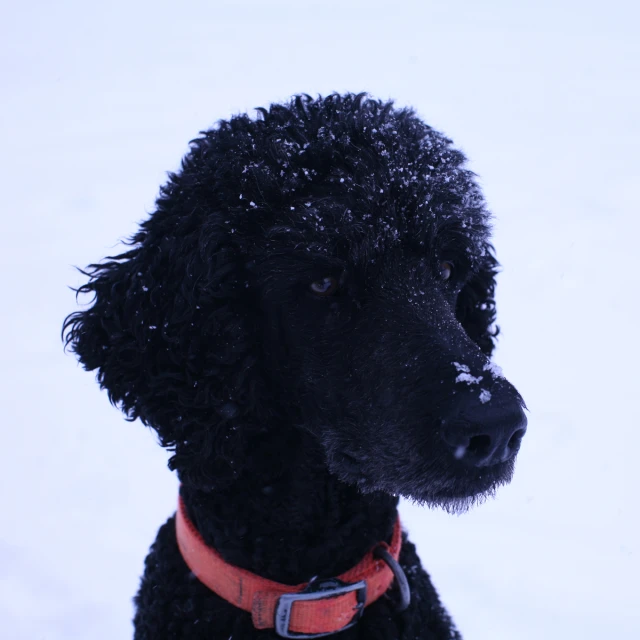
(259, 596)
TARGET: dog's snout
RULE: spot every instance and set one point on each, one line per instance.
(488, 434)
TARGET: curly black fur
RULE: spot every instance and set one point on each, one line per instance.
(295, 418)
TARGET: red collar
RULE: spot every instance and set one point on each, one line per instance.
(308, 610)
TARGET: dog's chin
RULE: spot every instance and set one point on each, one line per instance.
(459, 492)
(456, 489)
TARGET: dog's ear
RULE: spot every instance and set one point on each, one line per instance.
(165, 333)
(476, 308)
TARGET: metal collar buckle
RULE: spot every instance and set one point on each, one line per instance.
(317, 590)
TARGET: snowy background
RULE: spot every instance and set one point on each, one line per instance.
(99, 100)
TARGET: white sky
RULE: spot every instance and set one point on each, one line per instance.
(98, 102)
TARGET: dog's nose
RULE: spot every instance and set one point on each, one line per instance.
(486, 434)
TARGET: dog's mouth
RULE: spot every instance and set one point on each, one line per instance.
(453, 462)
(465, 487)
(444, 482)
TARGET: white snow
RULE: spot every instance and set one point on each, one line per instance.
(485, 396)
(468, 378)
(496, 371)
(465, 375)
(100, 100)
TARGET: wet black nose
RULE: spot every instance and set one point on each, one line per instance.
(487, 434)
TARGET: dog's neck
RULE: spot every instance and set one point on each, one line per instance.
(285, 517)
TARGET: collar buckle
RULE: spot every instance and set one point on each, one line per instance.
(318, 589)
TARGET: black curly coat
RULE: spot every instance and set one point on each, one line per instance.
(306, 320)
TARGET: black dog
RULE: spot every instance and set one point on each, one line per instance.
(306, 321)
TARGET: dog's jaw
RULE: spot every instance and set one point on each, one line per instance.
(448, 485)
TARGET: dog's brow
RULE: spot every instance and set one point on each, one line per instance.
(304, 257)
(284, 231)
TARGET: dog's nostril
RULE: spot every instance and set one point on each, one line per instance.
(479, 445)
(495, 434)
(516, 438)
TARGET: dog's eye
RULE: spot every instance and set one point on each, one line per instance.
(325, 287)
(446, 270)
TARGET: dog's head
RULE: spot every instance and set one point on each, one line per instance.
(328, 267)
